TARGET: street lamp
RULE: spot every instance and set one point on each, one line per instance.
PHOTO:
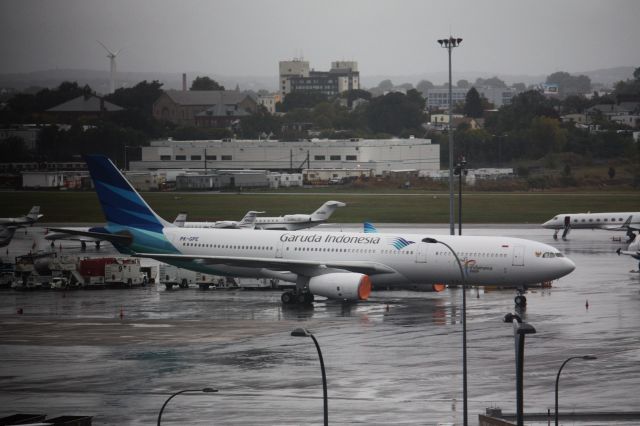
(464, 326)
(449, 44)
(461, 168)
(206, 390)
(520, 330)
(586, 358)
(303, 332)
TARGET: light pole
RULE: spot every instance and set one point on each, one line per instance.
(206, 390)
(464, 326)
(586, 358)
(461, 168)
(449, 44)
(303, 332)
(520, 330)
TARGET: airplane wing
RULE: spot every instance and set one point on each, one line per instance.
(95, 235)
(623, 227)
(226, 224)
(301, 267)
(634, 254)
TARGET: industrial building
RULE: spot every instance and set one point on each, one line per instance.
(376, 156)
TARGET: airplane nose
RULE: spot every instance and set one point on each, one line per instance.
(567, 266)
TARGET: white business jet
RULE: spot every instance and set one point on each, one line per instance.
(293, 222)
(341, 265)
(617, 221)
(247, 222)
(8, 225)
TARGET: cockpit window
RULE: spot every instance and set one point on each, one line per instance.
(551, 254)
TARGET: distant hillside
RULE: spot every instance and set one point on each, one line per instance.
(99, 80)
(607, 77)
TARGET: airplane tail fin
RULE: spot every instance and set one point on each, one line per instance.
(326, 210)
(369, 228)
(180, 220)
(121, 203)
(34, 213)
(6, 234)
(249, 219)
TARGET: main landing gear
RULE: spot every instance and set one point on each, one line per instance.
(631, 236)
(297, 297)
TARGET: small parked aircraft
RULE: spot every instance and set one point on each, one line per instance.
(8, 225)
(617, 221)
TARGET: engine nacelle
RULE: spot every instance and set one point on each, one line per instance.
(346, 286)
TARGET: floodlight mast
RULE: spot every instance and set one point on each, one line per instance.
(449, 44)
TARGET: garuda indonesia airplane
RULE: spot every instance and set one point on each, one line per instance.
(341, 265)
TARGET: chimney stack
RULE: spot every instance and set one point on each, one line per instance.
(184, 81)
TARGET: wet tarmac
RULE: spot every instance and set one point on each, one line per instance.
(395, 359)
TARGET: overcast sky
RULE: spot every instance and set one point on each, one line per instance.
(386, 37)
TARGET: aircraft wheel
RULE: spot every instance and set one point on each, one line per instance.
(168, 286)
(520, 300)
(301, 298)
(308, 298)
(184, 284)
(287, 297)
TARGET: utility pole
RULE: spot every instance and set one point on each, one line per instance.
(449, 44)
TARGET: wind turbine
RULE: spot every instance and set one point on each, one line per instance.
(112, 60)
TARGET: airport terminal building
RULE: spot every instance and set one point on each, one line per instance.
(377, 156)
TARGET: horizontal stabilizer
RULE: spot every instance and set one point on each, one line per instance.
(121, 239)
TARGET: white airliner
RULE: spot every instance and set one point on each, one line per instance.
(617, 221)
(293, 222)
(247, 222)
(341, 265)
(8, 225)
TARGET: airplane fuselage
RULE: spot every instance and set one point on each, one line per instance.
(503, 261)
(610, 221)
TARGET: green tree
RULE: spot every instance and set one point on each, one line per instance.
(464, 84)
(473, 104)
(385, 85)
(575, 104)
(629, 89)
(545, 136)
(205, 83)
(490, 82)
(423, 86)
(352, 95)
(296, 100)
(396, 113)
(260, 124)
(140, 97)
(570, 85)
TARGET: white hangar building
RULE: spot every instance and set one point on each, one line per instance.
(377, 155)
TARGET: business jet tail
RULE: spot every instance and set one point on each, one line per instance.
(180, 220)
(326, 210)
(34, 214)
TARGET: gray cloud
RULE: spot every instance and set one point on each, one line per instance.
(249, 37)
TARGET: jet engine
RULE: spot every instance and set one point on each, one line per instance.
(346, 286)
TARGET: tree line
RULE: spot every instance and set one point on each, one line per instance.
(527, 129)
